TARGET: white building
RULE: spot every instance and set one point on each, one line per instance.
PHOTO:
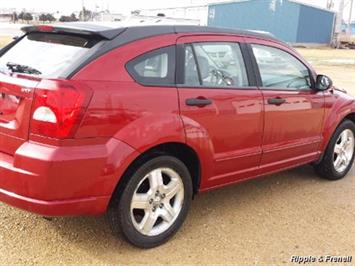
(105, 16)
(194, 13)
(136, 20)
(142, 20)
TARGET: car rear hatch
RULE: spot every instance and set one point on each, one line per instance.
(16, 96)
(28, 67)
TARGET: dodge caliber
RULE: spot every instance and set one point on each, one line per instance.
(133, 122)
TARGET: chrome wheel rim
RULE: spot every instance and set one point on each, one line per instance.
(157, 201)
(343, 151)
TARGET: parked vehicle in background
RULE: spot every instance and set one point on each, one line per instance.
(347, 41)
(135, 121)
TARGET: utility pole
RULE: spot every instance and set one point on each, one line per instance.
(338, 25)
(350, 29)
(330, 4)
(83, 11)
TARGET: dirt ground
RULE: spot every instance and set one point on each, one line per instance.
(260, 222)
(337, 64)
(4, 40)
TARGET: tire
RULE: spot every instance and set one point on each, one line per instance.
(330, 167)
(156, 201)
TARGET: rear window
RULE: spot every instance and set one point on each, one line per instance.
(45, 54)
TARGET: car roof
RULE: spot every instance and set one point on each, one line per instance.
(111, 30)
(115, 36)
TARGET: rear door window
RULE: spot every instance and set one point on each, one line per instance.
(45, 54)
(215, 64)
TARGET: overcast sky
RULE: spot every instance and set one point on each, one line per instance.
(120, 6)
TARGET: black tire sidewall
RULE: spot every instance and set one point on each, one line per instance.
(124, 212)
(328, 158)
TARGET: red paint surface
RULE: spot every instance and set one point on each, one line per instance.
(236, 138)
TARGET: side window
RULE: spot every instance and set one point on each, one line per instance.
(279, 69)
(215, 65)
(154, 68)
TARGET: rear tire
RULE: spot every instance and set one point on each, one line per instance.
(153, 203)
(338, 158)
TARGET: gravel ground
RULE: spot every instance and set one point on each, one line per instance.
(4, 40)
(261, 222)
(337, 64)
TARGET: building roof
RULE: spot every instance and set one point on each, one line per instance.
(294, 1)
(311, 5)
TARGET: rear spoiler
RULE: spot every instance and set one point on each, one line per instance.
(77, 29)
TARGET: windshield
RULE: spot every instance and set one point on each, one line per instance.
(45, 54)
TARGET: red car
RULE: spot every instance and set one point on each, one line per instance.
(136, 121)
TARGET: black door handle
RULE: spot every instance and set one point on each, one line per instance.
(276, 101)
(198, 102)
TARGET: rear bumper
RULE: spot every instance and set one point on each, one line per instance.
(61, 181)
(84, 206)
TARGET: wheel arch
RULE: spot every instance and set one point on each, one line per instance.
(179, 150)
(350, 116)
(326, 139)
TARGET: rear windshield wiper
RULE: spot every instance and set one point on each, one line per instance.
(23, 69)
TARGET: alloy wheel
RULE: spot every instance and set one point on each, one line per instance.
(157, 201)
(343, 150)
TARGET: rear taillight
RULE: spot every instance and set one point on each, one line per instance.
(58, 107)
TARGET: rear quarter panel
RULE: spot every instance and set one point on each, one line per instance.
(141, 116)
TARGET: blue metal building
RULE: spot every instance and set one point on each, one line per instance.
(288, 20)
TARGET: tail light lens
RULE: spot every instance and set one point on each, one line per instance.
(58, 107)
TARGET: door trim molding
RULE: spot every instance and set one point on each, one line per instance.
(294, 144)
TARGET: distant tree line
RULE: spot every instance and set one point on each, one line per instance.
(71, 18)
(24, 16)
(46, 17)
(84, 15)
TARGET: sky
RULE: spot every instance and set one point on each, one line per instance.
(120, 6)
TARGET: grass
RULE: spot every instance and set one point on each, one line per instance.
(4, 40)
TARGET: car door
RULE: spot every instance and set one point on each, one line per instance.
(220, 106)
(293, 110)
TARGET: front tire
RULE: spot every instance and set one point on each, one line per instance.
(154, 202)
(338, 158)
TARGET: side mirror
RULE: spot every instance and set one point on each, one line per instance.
(323, 83)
